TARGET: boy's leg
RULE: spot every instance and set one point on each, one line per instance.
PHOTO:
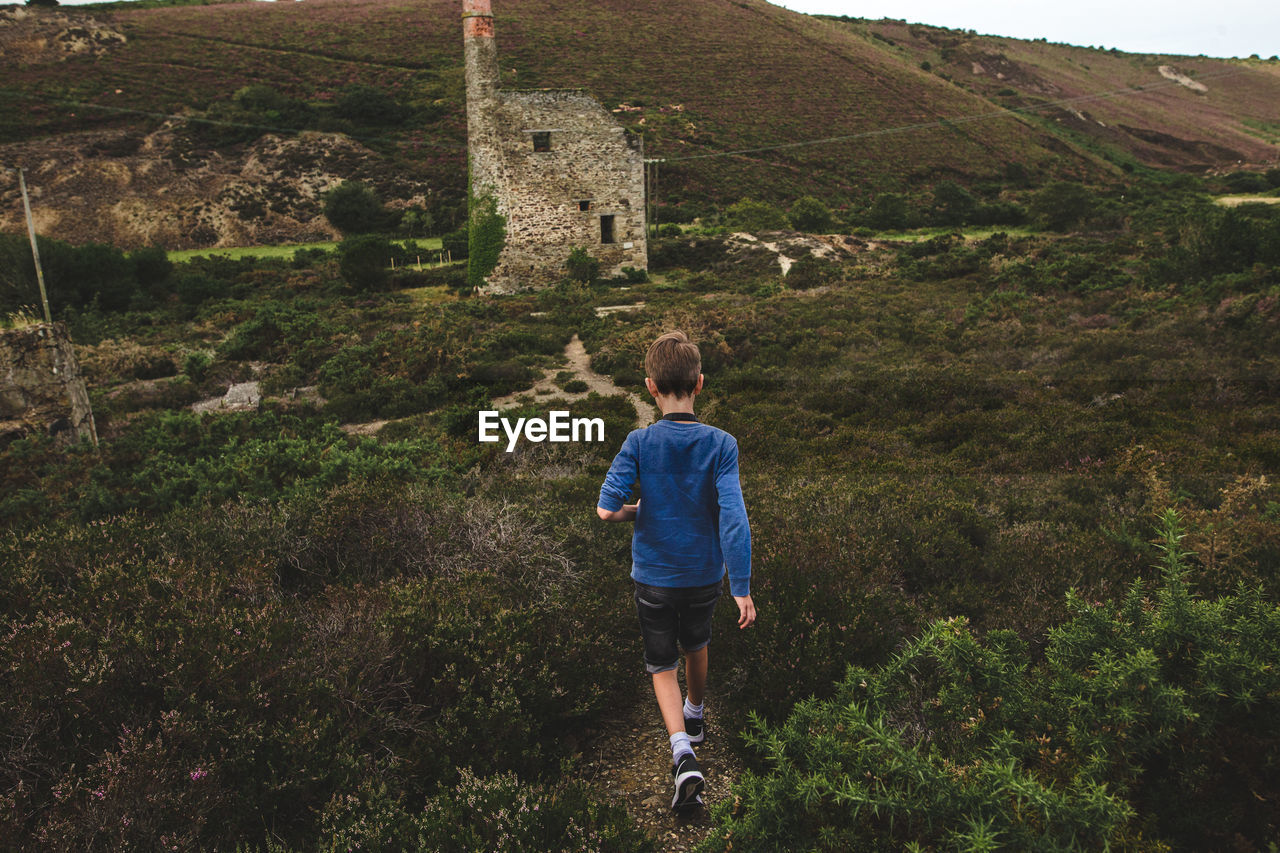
(666, 688)
(695, 675)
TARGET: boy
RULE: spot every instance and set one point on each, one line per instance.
(690, 526)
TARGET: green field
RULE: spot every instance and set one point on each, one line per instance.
(427, 244)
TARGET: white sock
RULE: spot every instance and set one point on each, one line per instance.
(693, 711)
(680, 745)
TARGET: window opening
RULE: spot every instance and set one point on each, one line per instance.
(606, 229)
(542, 140)
(584, 205)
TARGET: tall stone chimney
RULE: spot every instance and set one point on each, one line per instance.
(481, 56)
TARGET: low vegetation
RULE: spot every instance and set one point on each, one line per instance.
(1016, 539)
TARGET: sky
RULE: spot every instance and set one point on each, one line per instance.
(1214, 28)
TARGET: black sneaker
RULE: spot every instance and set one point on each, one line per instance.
(688, 781)
(696, 729)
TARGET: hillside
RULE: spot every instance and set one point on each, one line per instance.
(100, 106)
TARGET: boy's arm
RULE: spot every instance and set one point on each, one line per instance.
(735, 532)
(627, 513)
(617, 486)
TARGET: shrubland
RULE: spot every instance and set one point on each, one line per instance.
(1016, 540)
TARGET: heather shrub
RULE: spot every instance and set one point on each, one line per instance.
(809, 272)
(495, 813)
(167, 459)
(1147, 724)
(263, 659)
(366, 105)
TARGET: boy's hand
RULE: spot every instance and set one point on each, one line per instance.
(746, 611)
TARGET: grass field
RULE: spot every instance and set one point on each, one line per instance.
(1237, 200)
(427, 244)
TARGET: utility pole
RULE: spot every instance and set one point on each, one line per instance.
(651, 195)
(35, 251)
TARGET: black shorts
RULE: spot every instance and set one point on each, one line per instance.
(674, 613)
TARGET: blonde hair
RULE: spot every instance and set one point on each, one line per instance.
(673, 363)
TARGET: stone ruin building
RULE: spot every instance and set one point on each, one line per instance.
(550, 170)
(41, 389)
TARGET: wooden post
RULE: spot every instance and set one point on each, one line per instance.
(35, 251)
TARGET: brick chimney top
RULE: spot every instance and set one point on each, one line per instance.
(477, 19)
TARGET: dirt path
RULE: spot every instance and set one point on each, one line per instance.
(628, 761)
(580, 365)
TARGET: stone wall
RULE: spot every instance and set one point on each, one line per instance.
(554, 200)
(41, 389)
(563, 173)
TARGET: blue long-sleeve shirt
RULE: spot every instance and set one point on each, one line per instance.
(692, 524)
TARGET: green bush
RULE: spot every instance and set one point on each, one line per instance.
(810, 214)
(1246, 182)
(195, 288)
(354, 208)
(1061, 205)
(455, 244)
(196, 366)
(151, 266)
(581, 266)
(366, 105)
(751, 215)
(1149, 723)
(364, 261)
(276, 331)
(888, 212)
(953, 204)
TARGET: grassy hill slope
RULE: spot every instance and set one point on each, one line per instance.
(699, 78)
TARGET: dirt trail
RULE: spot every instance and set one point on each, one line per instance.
(628, 761)
(580, 365)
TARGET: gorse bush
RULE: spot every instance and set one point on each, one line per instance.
(1149, 723)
